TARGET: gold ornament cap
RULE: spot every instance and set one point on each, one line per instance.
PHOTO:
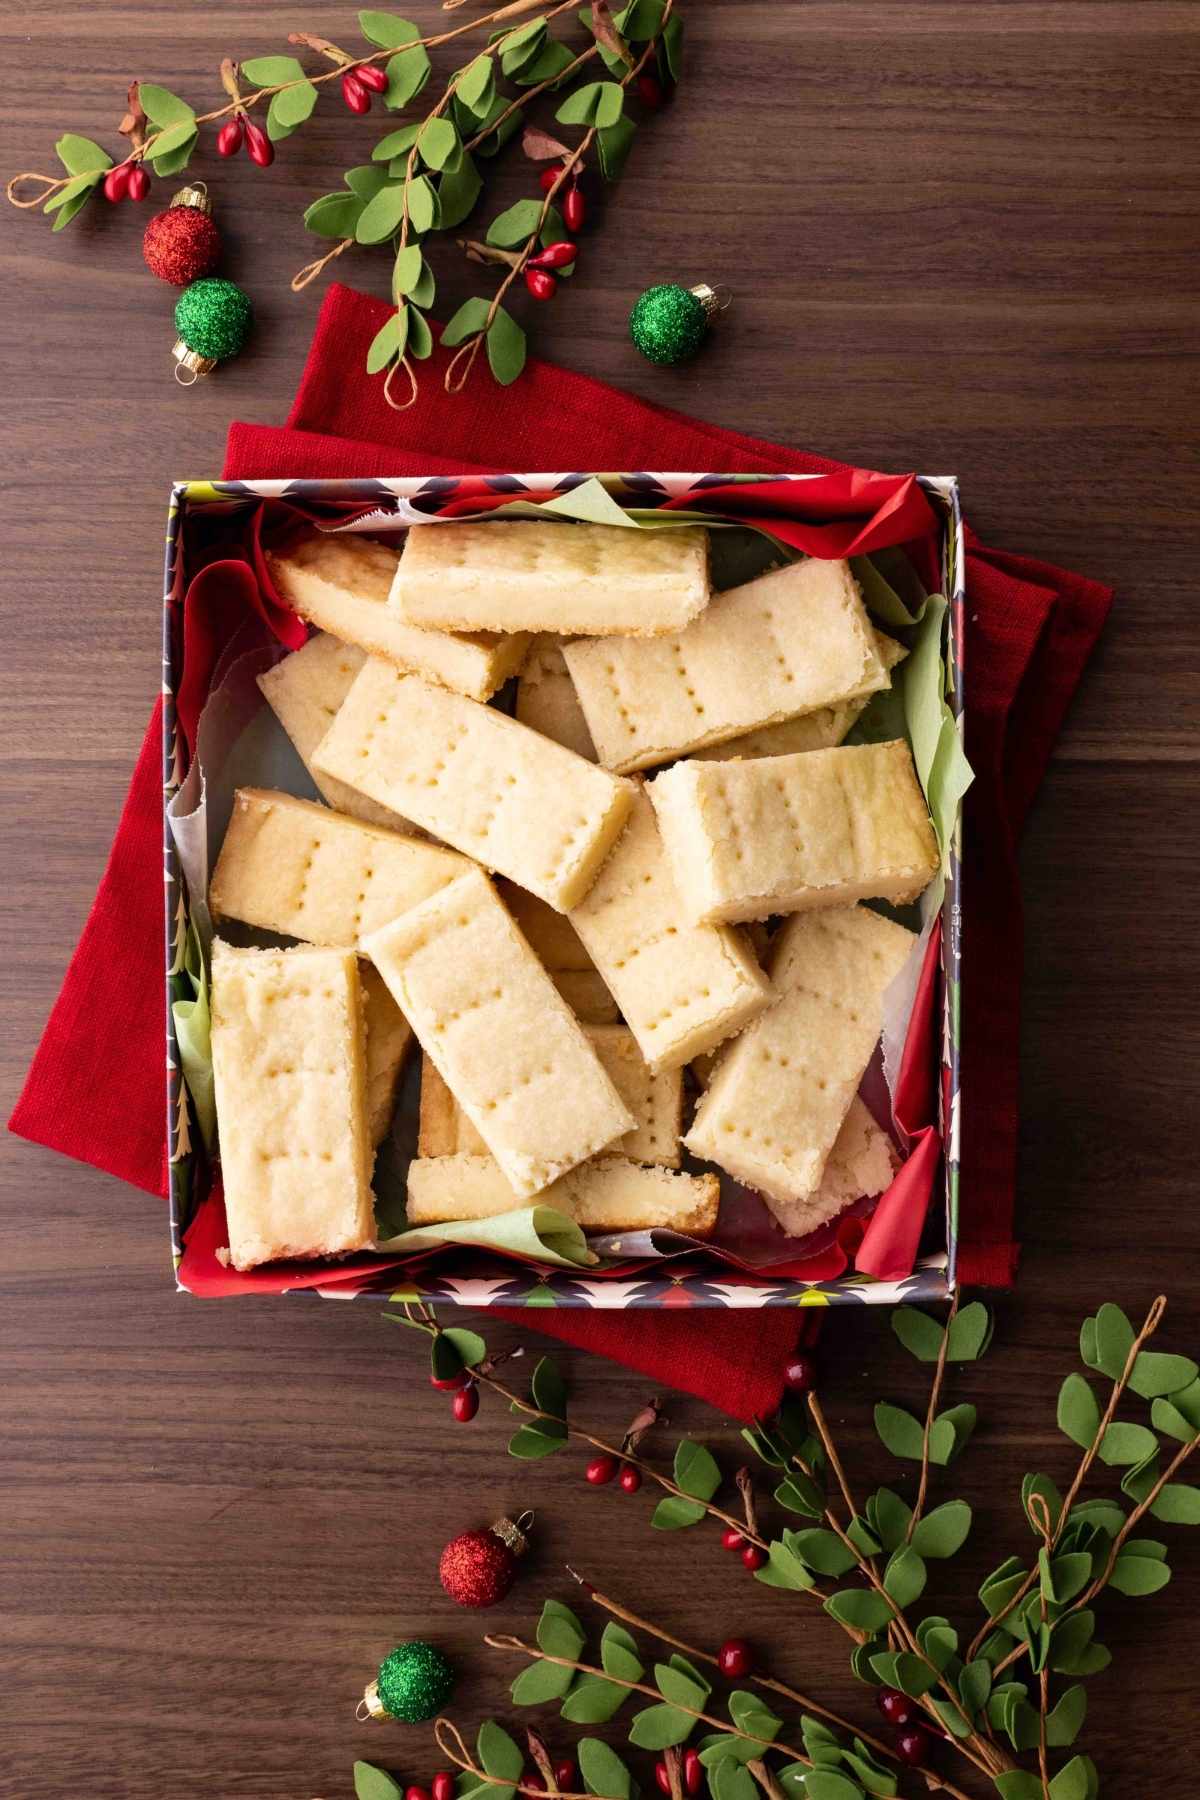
(190, 365)
(371, 1706)
(514, 1532)
(196, 194)
(714, 300)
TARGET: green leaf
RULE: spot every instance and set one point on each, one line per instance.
(388, 343)
(829, 1784)
(944, 1531)
(658, 1727)
(1064, 1724)
(477, 85)
(950, 1434)
(422, 205)
(889, 1516)
(458, 191)
(406, 272)
(505, 348)
(975, 1685)
(80, 156)
(381, 216)
(1078, 1413)
(920, 1334)
(614, 144)
(1138, 1575)
(1002, 1586)
(396, 143)
(162, 107)
(1114, 1337)
(1124, 1444)
(1155, 1375)
(1069, 1575)
(269, 71)
(911, 1674)
(559, 1632)
(722, 1746)
(640, 20)
(860, 1607)
(1072, 1651)
(603, 1771)
(593, 1701)
(540, 1682)
(938, 1641)
(953, 1718)
(516, 225)
(438, 143)
(498, 1754)
(598, 103)
(371, 1783)
(902, 1434)
(470, 318)
(1103, 1513)
(334, 215)
(752, 1718)
(679, 1688)
(730, 1781)
(874, 1776)
(444, 1359)
(800, 1493)
(824, 1551)
(1077, 1781)
(783, 1569)
(1018, 1784)
(172, 161)
(407, 72)
(1177, 1504)
(673, 1514)
(365, 181)
(290, 109)
(70, 200)
(1041, 1484)
(174, 139)
(532, 1441)
(387, 29)
(671, 48)
(553, 59)
(1169, 1417)
(862, 1537)
(548, 1388)
(970, 1333)
(619, 1653)
(905, 1577)
(696, 1471)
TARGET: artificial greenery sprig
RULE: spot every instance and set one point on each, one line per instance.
(424, 177)
(1038, 1615)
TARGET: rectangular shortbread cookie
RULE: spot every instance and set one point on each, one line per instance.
(304, 692)
(493, 1024)
(537, 575)
(609, 1194)
(292, 866)
(389, 1039)
(682, 988)
(547, 932)
(547, 701)
(656, 1102)
(587, 996)
(784, 644)
(781, 833)
(289, 1075)
(342, 584)
(473, 777)
(861, 1163)
(779, 1094)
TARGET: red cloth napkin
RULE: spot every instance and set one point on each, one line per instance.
(94, 1088)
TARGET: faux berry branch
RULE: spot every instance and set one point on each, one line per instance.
(999, 1704)
(424, 177)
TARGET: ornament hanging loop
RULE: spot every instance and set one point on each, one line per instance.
(714, 300)
(370, 1706)
(524, 1521)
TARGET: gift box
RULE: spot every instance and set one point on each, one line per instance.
(224, 625)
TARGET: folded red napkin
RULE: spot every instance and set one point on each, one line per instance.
(1031, 629)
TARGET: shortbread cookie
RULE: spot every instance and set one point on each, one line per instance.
(473, 777)
(290, 1083)
(342, 585)
(782, 833)
(609, 1194)
(656, 1102)
(547, 701)
(548, 933)
(507, 1046)
(682, 988)
(292, 866)
(788, 643)
(587, 996)
(388, 1042)
(535, 575)
(779, 1094)
(861, 1164)
(304, 692)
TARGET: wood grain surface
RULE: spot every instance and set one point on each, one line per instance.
(962, 237)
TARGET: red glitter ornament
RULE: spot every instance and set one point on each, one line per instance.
(182, 243)
(477, 1567)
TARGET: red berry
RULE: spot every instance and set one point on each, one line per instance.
(548, 177)
(465, 1404)
(731, 1539)
(370, 75)
(650, 91)
(753, 1557)
(734, 1659)
(564, 1774)
(139, 182)
(259, 147)
(601, 1469)
(443, 1786)
(896, 1707)
(116, 182)
(631, 1478)
(554, 256)
(693, 1772)
(229, 138)
(446, 1384)
(662, 1776)
(535, 1781)
(574, 208)
(415, 1793)
(355, 94)
(913, 1746)
(543, 286)
(800, 1374)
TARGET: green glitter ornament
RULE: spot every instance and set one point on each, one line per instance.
(669, 323)
(413, 1683)
(212, 317)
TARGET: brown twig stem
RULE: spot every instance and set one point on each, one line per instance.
(817, 1415)
(935, 1394)
(311, 270)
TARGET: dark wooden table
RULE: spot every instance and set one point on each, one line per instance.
(962, 237)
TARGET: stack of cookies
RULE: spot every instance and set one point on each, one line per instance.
(564, 935)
